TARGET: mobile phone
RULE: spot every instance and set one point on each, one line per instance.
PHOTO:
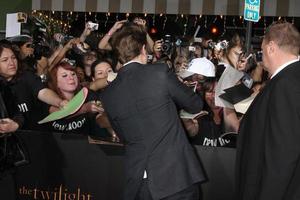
(149, 58)
(192, 48)
(93, 26)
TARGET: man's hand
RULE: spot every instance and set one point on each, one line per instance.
(93, 106)
(116, 27)
(192, 126)
(140, 21)
(63, 103)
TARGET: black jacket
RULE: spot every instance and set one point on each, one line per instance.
(142, 104)
(268, 153)
(8, 106)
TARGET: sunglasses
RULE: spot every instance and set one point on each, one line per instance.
(29, 45)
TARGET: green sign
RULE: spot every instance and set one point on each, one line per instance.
(72, 106)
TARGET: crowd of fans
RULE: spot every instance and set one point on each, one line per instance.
(43, 79)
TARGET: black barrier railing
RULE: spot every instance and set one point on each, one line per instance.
(67, 166)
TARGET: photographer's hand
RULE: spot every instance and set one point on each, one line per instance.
(72, 43)
(87, 31)
(93, 107)
(157, 48)
(103, 44)
(116, 27)
(242, 62)
(206, 42)
(7, 125)
(143, 23)
(140, 21)
(191, 126)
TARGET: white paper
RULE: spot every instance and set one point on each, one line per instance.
(111, 76)
(185, 115)
(13, 27)
(228, 79)
(243, 106)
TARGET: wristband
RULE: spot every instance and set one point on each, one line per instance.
(109, 34)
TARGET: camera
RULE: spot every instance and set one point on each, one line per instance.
(81, 48)
(211, 44)
(61, 38)
(93, 26)
(21, 17)
(167, 45)
(258, 56)
(218, 46)
(221, 45)
(41, 50)
(192, 48)
(149, 58)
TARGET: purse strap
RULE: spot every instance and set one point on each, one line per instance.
(3, 110)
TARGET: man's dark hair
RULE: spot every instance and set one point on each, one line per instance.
(128, 41)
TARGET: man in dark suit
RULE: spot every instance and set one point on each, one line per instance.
(268, 153)
(142, 104)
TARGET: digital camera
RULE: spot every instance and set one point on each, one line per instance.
(258, 56)
(167, 45)
(93, 26)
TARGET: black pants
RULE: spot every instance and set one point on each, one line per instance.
(190, 193)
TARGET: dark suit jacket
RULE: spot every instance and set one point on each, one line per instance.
(268, 153)
(142, 106)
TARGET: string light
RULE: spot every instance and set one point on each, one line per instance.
(176, 19)
(224, 27)
(165, 21)
(265, 25)
(215, 20)
(153, 20)
(61, 16)
(96, 18)
(233, 22)
(185, 25)
(196, 21)
(107, 18)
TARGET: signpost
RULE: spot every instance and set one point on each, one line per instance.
(251, 14)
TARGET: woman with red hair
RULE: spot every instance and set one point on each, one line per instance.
(64, 81)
